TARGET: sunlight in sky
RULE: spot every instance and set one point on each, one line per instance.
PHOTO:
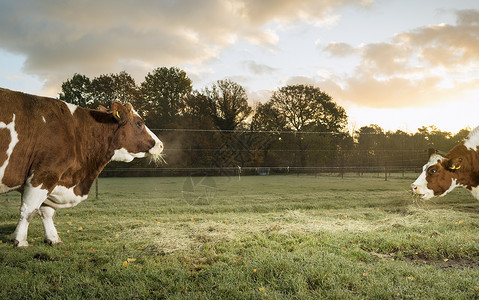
(449, 117)
(397, 64)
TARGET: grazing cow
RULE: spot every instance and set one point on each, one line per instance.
(459, 167)
(52, 151)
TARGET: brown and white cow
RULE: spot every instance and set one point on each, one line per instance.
(459, 167)
(52, 152)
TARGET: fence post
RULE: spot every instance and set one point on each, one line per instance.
(385, 171)
(96, 188)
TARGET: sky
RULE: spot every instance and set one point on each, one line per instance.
(400, 64)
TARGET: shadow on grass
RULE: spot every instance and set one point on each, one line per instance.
(463, 205)
(6, 231)
(418, 260)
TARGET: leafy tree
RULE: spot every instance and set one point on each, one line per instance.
(107, 88)
(77, 90)
(371, 138)
(267, 117)
(306, 107)
(371, 145)
(436, 138)
(227, 107)
(196, 113)
(228, 104)
(461, 135)
(102, 90)
(164, 91)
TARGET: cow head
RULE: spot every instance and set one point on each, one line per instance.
(438, 177)
(133, 139)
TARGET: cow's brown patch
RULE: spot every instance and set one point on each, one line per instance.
(438, 179)
(463, 163)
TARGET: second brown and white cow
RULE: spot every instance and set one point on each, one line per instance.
(459, 167)
(52, 152)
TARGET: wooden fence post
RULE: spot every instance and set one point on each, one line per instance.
(385, 171)
(96, 188)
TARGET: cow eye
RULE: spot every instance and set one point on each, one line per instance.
(432, 171)
(139, 125)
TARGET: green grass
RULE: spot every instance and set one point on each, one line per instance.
(263, 237)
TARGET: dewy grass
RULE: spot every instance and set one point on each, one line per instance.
(265, 237)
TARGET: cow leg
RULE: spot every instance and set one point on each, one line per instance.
(51, 234)
(32, 198)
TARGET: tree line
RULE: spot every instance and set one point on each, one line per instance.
(299, 126)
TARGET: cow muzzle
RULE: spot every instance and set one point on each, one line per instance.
(157, 149)
(421, 193)
(155, 153)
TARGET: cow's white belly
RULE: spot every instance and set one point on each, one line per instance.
(62, 197)
(4, 188)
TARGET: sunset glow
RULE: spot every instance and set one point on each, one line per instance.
(398, 72)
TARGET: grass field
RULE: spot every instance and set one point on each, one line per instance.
(262, 237)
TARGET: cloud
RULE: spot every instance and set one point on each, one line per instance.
(339, 49)
(424, 66)
(296, 80)
(97, 37)
(313, 11)
(450, 46)
(258, 69)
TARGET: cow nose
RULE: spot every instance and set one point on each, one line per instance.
(160, 146)
(156, 148)
(413, 187)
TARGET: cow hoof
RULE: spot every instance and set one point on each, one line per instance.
(17, 243)
(53, 243)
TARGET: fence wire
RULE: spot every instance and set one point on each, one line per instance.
(263, 152)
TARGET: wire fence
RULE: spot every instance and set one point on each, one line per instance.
(198, 152)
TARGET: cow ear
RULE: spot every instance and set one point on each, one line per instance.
(129, 108)
(102, 108)
(454, 164)
(120, 112)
